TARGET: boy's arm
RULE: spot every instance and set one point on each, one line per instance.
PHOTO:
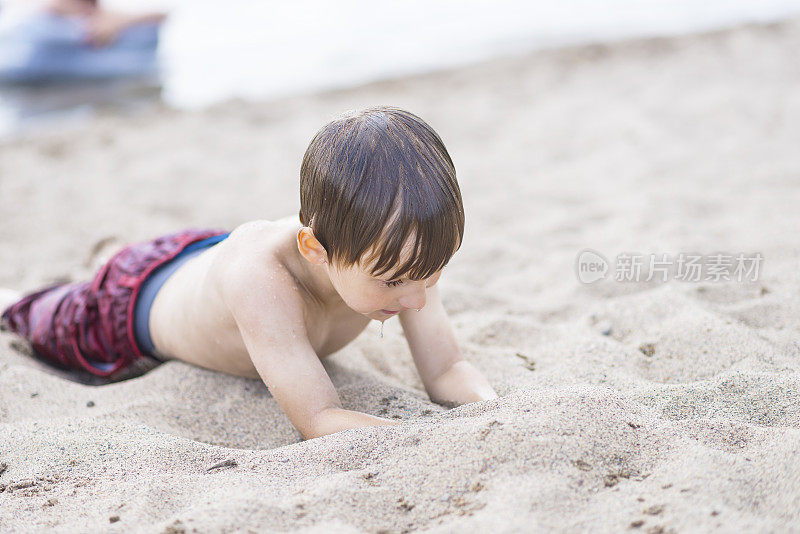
(274, 333)
(448, 378)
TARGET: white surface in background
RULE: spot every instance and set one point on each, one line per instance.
(268, 49)
(213, 51)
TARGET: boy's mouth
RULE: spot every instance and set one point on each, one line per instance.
(389, 312)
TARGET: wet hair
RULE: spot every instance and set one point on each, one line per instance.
(372, 178)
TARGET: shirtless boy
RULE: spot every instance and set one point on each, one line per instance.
(380, 217)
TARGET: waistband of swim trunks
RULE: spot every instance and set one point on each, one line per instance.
(153, 283)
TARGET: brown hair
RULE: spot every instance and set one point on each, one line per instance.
(372, 177)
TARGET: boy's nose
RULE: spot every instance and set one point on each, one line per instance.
(414, 299)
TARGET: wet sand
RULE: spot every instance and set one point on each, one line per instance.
(625, 406)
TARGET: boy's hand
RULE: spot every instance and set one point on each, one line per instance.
(461, 384)
(448, 378)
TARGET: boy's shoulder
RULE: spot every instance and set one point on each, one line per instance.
(260, 239)
(265, 229)
(253, 263)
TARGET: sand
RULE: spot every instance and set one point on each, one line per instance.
(625, 406)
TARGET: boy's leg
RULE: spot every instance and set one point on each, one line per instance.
(89, 326)
(55, 320)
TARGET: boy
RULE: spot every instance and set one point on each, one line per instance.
(381, 215)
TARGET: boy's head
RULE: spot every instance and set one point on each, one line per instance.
(378, 191)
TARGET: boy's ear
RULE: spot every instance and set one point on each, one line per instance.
(311, 249)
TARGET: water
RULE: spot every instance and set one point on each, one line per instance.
(262, 50)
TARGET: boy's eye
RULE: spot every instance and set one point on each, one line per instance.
(394, 283)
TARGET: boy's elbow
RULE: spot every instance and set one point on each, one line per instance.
(313, 432)
(314, 426)
(332, 420)
(309, 435)
(324, 422)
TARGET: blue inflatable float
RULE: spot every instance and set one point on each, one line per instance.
(50, 48)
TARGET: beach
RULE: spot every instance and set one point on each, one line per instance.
(643, 406)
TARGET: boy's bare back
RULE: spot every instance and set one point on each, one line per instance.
(258, 265)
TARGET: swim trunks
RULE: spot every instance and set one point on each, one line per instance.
(89, 326)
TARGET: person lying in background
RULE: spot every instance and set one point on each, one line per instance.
(75, 41)
(103, 26)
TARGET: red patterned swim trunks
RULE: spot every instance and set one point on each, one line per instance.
(89, 325)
